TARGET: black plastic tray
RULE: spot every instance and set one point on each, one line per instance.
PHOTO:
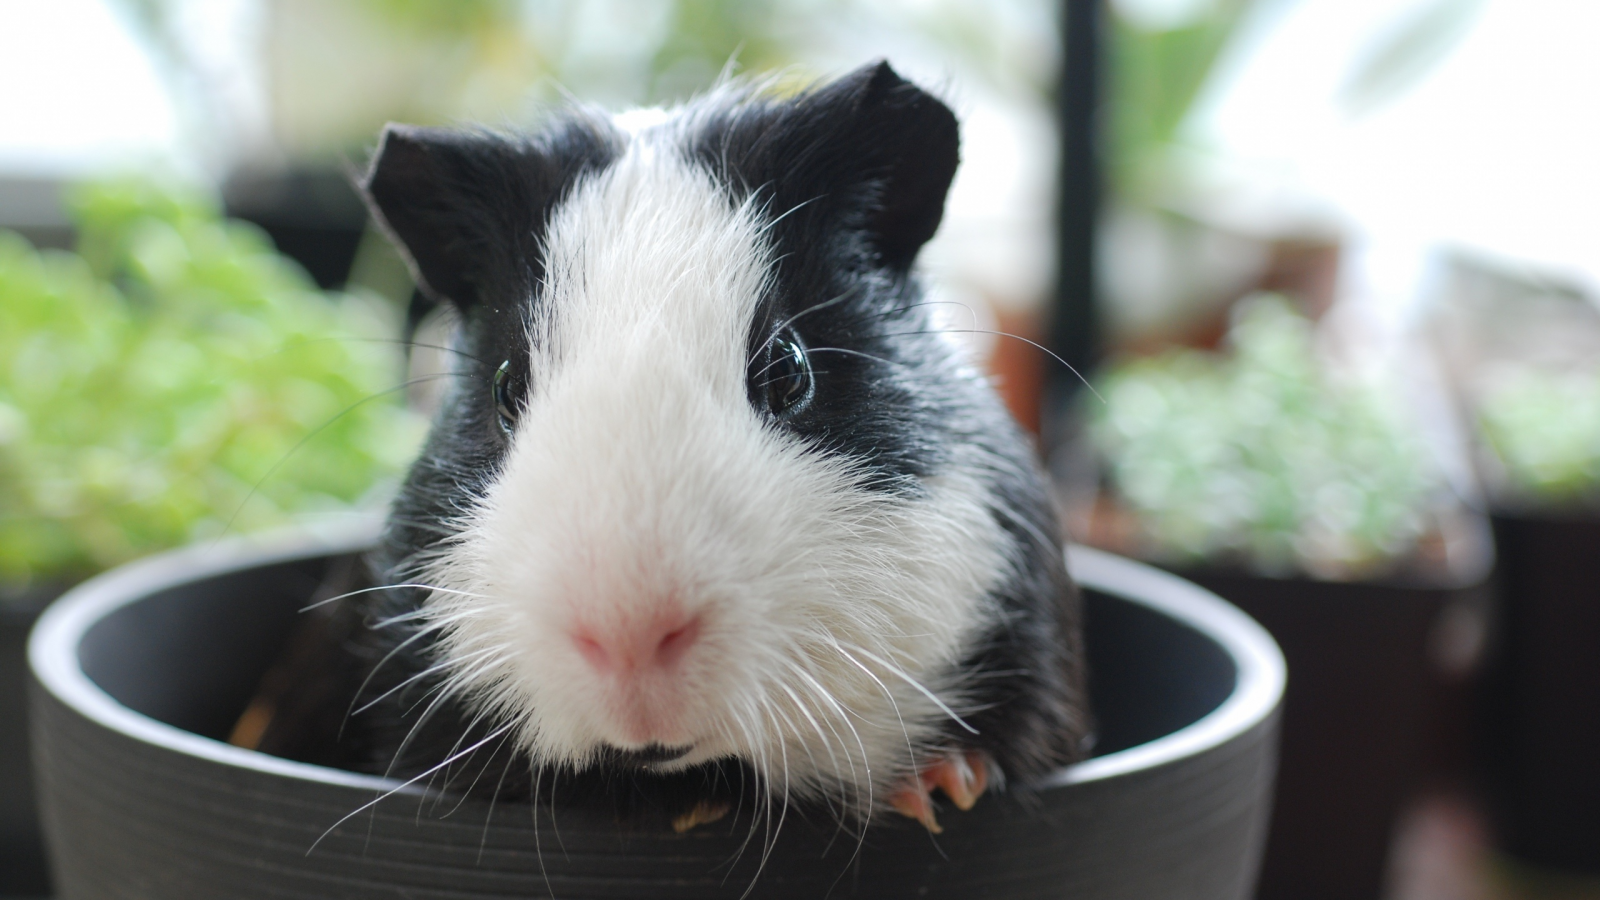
(1357, 716)
(1542, 697)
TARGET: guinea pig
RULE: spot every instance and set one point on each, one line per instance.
(710, 488)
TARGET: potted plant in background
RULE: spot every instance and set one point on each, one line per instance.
(1301, 494)
(1520, 348)
(174, 379)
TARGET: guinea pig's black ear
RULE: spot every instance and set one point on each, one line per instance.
(884, 135)
(916, 142)
(420, 188)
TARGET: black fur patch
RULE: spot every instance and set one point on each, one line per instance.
(470, 210)
(853, 178)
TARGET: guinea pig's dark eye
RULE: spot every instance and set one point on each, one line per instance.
(782, 377)
(507, 396)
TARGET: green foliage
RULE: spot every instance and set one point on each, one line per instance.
(176, 378)
(1262, 458)
(704, 35)
(1156, 74)
(1545, 428)
(454, 18)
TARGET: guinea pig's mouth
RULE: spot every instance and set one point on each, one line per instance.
(648, 755)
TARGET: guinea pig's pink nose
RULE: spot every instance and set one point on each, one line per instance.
(656, 645)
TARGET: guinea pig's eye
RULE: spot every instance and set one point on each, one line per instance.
(507, 396)
(782, 378)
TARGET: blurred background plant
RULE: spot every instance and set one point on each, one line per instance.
(1521, 347)
(175, 379)
(1544, 427)
(1262, 457)
(1161, 58)
(435, 62)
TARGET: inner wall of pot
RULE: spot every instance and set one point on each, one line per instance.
(191, 656)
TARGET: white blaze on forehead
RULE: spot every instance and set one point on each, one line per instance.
(649, 267)
(641, 483)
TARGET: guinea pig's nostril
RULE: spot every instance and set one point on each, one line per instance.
(675, 643)
(593, 651)
(651, 646)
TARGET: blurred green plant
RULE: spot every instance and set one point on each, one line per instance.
(455, 17)
(441, 61)
(1544, 427)
(1263, 458)
(335, 70)
(1157, 69)
(177, 378)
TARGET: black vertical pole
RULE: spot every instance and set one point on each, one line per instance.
(1074, 326)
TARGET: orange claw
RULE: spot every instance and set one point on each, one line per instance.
(962, 776)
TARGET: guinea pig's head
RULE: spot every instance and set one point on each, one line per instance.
(709, 482)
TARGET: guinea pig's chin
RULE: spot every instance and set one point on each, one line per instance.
(632, 725)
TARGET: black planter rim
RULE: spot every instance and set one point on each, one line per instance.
(1259, 680)
(53, 650)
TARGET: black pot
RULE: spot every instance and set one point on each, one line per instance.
(313, 215)
(1542, 692)
(140, 672)
(1357, 717)
(23, 868)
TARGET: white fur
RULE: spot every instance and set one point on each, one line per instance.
(641, 483)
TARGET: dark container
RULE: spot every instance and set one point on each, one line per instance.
(313, 215)
(139, 672)
(32, 208)
(1542, 692)
(1358, 715)
(23, 869)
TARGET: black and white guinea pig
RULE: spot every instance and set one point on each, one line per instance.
(710, 488)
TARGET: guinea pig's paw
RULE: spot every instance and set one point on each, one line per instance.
(961, 774)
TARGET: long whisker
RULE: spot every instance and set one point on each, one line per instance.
(392, 791)
(538, 849)
(845, 350)
(384, 587)
(347, 339)
(815, 307)
(444, 693)
(844, 715)
(744, 737)
(906, 733)
(430, 670)
(256, 488)
(481, 769)
(483, 839)
(901, 673)
(772, 832)
(371, 673)
(1016, 337)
